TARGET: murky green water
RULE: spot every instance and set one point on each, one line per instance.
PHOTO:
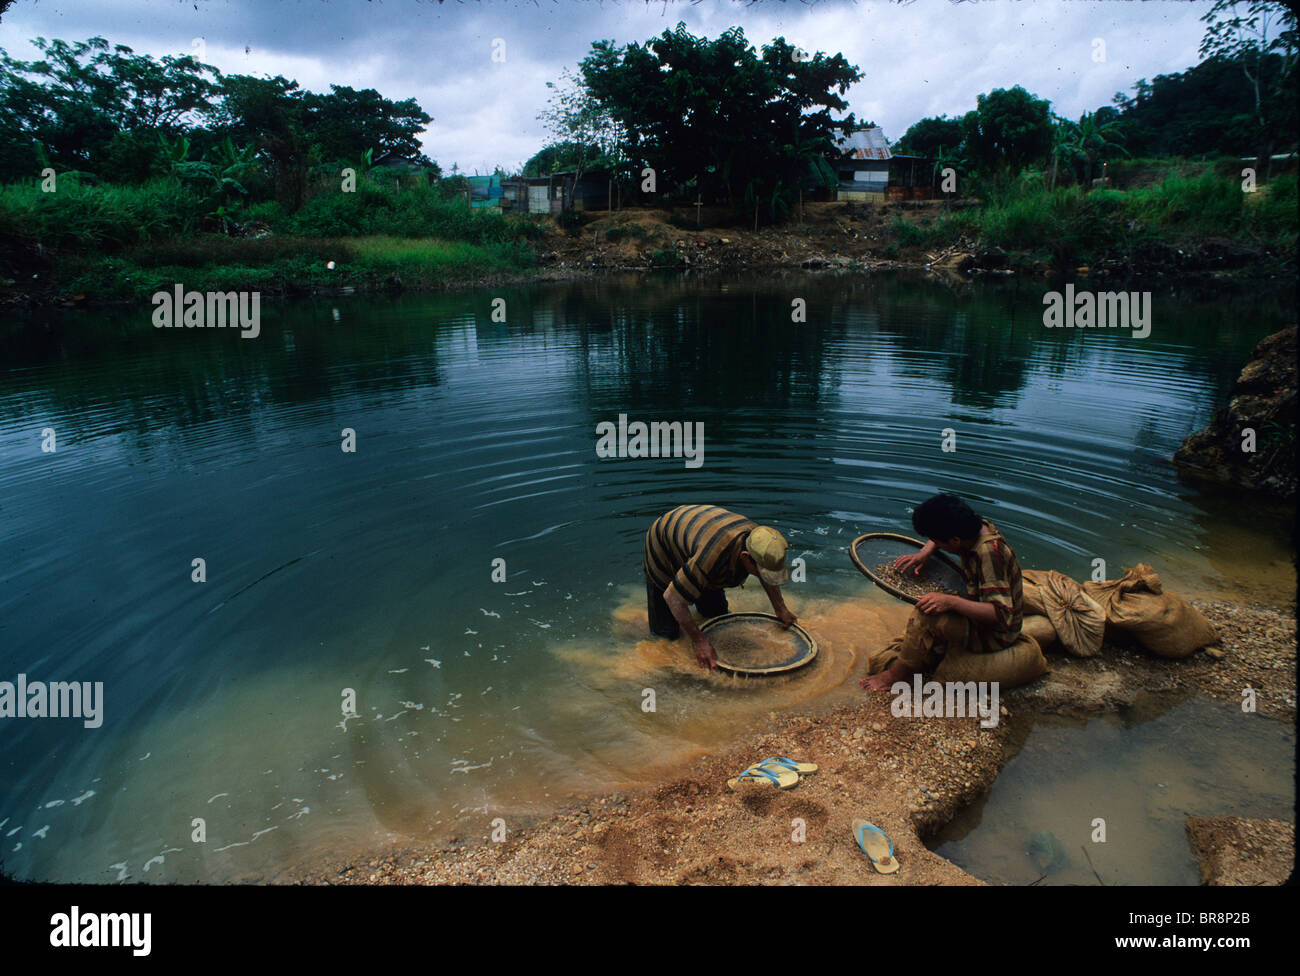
(1106, 801)
(475, 440)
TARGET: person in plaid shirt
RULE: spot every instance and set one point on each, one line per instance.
(986, 620)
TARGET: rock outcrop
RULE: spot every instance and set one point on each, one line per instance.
(1264, 401)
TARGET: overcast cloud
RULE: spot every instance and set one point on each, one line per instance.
(928, 57)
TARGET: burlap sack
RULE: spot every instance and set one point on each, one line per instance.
(1033, 593)
(1163, 623)
(1039, 628)
(1078, 619)
(1019, 664)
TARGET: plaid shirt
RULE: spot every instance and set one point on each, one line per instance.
(993, 576)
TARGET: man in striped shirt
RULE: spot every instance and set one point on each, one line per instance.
(695, 551)
(987, 620)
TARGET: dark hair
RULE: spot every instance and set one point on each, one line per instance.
(945, 516)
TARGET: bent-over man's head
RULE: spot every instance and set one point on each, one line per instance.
(766, 547)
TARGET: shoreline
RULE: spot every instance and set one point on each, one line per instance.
(829, 238)
(909, 777)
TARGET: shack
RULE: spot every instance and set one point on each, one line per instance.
(869, 171)
(543, 194)
(863, 165)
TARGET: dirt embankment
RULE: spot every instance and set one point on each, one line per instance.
(1242, 850)
(861, 236)
(847, 236)
(909, 776)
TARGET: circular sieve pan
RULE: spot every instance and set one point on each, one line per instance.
(756, 643)
(870, 550)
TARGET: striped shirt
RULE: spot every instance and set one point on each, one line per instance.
(993, 576)
(695, 548)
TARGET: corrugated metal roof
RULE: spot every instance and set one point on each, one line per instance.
(865, 144)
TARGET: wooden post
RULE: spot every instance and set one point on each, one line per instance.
(609, 189)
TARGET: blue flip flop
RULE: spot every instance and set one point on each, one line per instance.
(785, 762)
(873, 845)
(760, 774)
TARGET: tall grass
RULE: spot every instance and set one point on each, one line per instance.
(1067, 219)
(82, 215)
(416, 212)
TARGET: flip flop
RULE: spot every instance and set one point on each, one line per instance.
(785, 762)
(873, 845)
(759, 775)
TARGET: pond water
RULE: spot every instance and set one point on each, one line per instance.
(1106, 801)
(371, 572)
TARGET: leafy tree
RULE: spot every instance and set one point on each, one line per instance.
(1008, 130)
(92, 107)
(1096, 137)
(715, 118)
(588, 136)
(1203, 111)
(1261, 37)
(929, 137)
(346, 122)
(558, 157)
(269, 113)
(1064, 139)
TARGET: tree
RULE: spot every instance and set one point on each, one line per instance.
(93, 108)
(558, 157)
(1095, 139)
(346, 122)
(1261, 37)
(588, 134)
(268, 113)
(929, 137)
(1008, 130)
(1064, 137)
(716, 120)
(1202, 112)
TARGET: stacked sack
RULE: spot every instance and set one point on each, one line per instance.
(1080, 616)
(1163, 623)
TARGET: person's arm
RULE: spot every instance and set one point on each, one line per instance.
(783, 613)
(976, 610)
(682, 614)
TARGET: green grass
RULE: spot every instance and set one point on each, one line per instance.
(278, 264)
(1085, 225)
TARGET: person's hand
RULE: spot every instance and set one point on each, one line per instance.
(705, 655)
(914, 561)
(786, 618)
(935, 602)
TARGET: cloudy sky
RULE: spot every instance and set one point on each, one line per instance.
(925, 57)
